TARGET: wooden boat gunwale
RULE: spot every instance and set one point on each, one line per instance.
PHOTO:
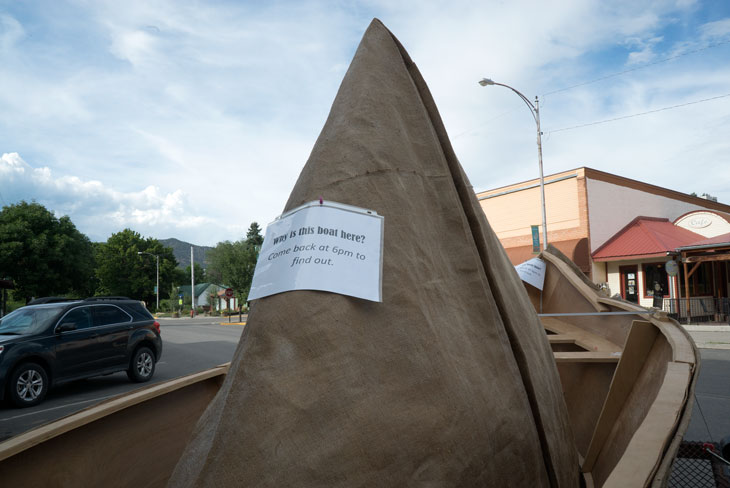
(27, 440)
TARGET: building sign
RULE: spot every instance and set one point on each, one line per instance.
(532, 272)
(698, 222)
(706, 223)
(535, 238)
(324, 246)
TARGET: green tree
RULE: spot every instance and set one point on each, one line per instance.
(180, 277)
(234, 262)
(200, 274)
(122, 270)
(42, 254)
(253, 236)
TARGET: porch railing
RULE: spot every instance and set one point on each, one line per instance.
(701, 309)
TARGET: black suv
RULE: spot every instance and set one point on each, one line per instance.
(49, 342)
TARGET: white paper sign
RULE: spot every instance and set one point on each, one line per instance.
(322, 246)
(532, 272)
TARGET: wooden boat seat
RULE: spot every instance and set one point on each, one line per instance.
(597, 349)
(587, 357)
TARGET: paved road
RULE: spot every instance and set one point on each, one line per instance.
(189, 346)
(192, 345)
(711, 412)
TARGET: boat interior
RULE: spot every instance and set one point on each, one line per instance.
(627, 375)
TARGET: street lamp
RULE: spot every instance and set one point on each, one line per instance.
(158, 275)
(535, 110)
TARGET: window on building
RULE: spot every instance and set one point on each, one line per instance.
(655, 280)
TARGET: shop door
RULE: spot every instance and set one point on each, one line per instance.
(629, 283)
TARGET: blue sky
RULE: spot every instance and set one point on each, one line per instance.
(192, 119)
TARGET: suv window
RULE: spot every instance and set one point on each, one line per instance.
(81, 317)
(29, 320)
(138, 311)
(109, 314)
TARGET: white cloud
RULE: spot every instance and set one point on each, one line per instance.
(192, 119)
(719, 29)
(99, 211)
(10, 32)
(133, 46)
(645, 53)
(12, 165)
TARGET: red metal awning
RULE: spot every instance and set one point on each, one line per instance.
(645, 237)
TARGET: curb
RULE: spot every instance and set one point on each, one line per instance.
(707, 328)
(709, 336)
(725, 346)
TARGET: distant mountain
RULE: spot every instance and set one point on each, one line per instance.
(181, 250)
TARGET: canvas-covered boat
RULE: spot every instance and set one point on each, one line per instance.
(451, 380)
(627, 381)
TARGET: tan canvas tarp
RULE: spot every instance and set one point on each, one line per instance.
(448, 382)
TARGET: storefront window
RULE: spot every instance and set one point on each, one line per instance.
(700, 283)
(655, 280)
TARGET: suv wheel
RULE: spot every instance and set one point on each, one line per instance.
(28, 385)
(142, 365)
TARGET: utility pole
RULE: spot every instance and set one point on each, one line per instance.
(192, 283)
(535, 110)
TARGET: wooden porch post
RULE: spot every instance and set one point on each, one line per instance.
(686, 287)
(686, 282)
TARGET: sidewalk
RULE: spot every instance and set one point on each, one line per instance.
(710, 336)
(705, 336)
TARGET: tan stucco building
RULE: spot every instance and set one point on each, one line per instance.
(620, 232)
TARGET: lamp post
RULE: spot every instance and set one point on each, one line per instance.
(535, 110)
(158, 275)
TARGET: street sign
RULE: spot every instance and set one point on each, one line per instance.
(671, 267)
(229, 292)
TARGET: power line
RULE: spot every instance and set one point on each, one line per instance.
(639, 114)
(613, 75)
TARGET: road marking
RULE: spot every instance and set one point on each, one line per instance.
(56, 408)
